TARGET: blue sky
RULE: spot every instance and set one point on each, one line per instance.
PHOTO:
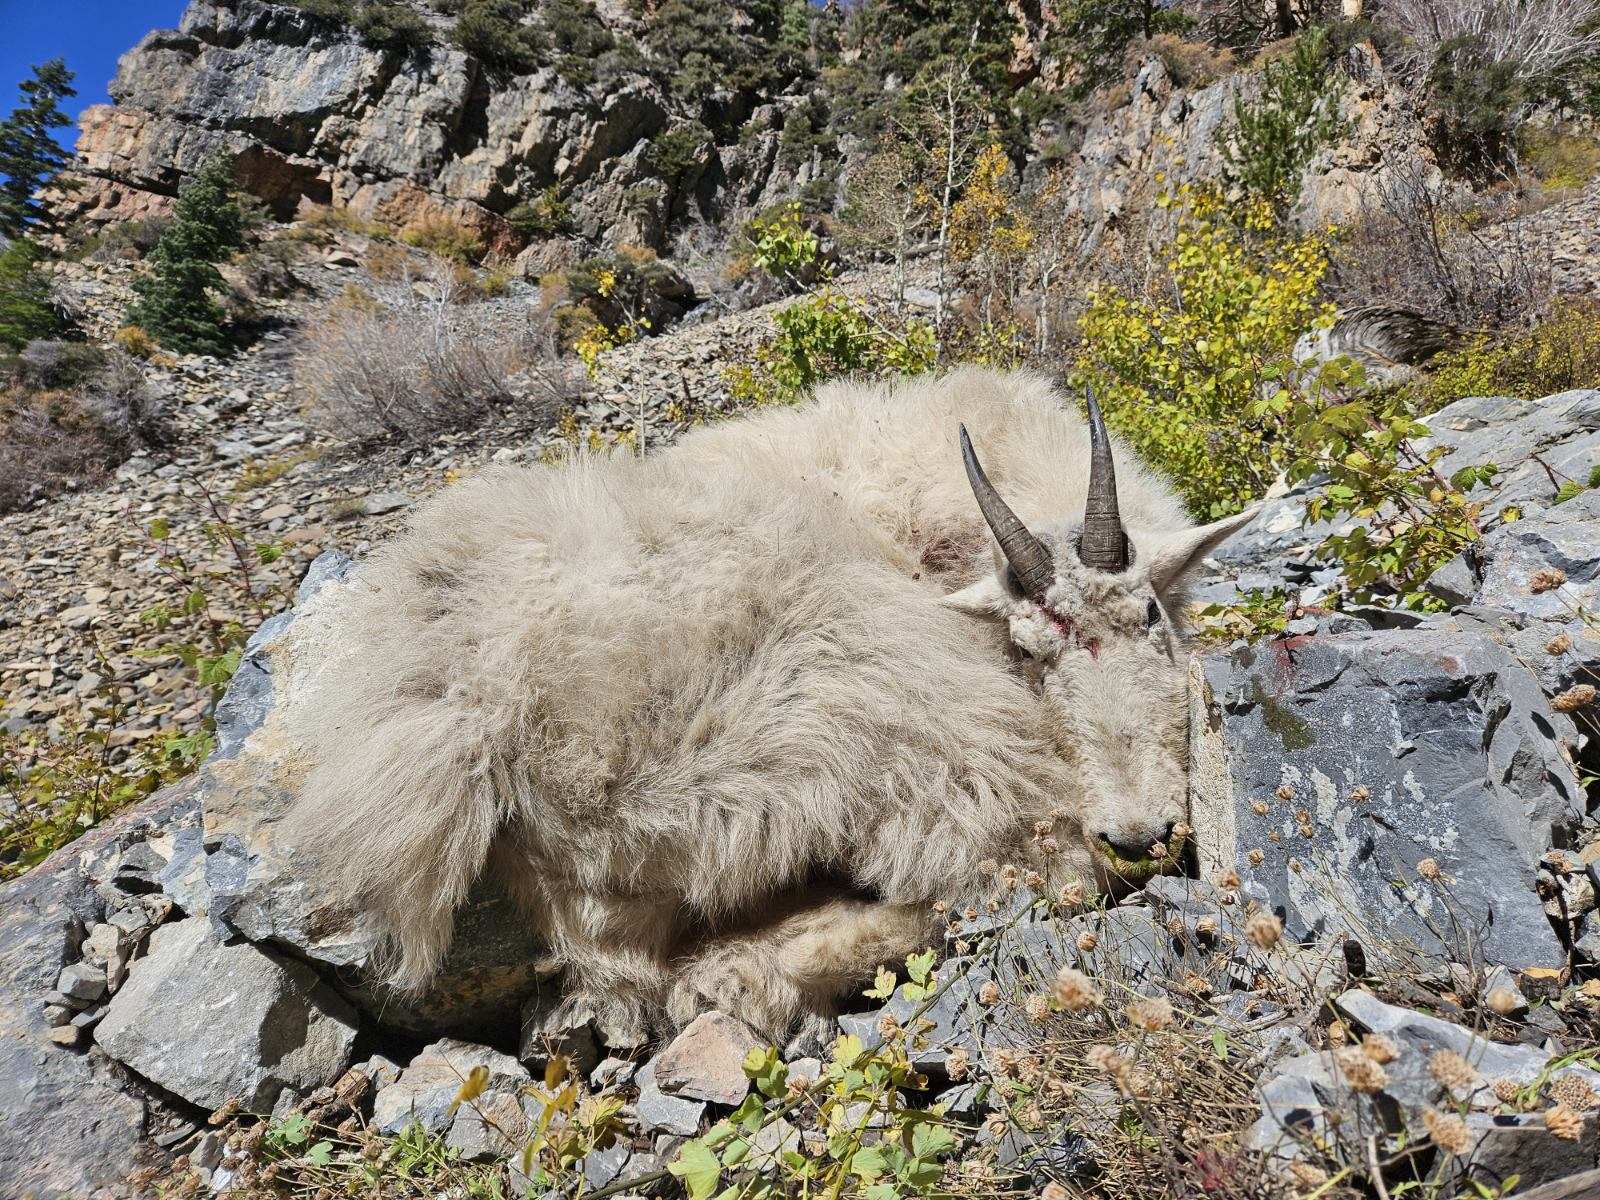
(89, 34)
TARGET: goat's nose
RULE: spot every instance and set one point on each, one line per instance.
(1138, 846)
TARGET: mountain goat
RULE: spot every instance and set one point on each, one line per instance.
(728, 719)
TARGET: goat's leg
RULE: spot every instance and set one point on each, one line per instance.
(614, 953)
(791, 971)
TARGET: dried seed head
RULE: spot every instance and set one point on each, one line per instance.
(1505, 1090)
(1360, 1072)
(1034, 881)
(1447, 1131)
(1150, 1013)
(1075, 991)
(940, 907)
(1206, 925)
(1579, 695)
(1256, 858)
(1196, 985)
(1259, 807)
(1428, 868)
(1182, 830)
(958, 1063)
(1503, 1001)
(1564, 1122)
(1107, 1061)
(1574, 1091)
(1043, 828)
(1284, 793)
(1380, 1048)
(1037, 1007)
(1087, 941)
(989, 993)
(1264, 929)
(1560, 644)
(963, 947)
(888, 1026)
(1228, 880)
(1546, 579)
(1360, 794)
(1306, 1175)
(1450, 1069)
(1158, 850)
(1071, 895)
(988, 866)
(1338, 1033)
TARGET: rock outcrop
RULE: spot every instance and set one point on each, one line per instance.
(315, 115)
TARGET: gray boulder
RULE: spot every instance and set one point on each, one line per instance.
(73, 1120)
(211, 1022)
(1326, 768)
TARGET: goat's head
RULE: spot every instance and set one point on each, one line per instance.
(1089, 607)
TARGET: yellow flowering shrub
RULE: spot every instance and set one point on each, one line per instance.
(1559, 354)
(1181, 373)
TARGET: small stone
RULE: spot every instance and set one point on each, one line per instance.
(57, 1014)
(706, 1060)
(65, 1035)
(658, 1112)
(82, 981)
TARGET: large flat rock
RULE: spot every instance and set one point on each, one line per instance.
(213, 1022)
(1327, 768)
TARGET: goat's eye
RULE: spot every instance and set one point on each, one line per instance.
(1152, 615)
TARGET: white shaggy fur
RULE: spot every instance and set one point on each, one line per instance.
(716, 718)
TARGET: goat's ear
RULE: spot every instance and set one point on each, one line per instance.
(986, 598)
(1175, 556)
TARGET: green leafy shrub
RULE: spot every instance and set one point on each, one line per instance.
(824, 336)
(627, 288)
(1559, 354)
(1561, 158)
(1398, 518)
(392, 26)
(1475, 106)
(494, 32)
(26, 311)
(125, 239)
(1180, 375)
(175, 302)
(56, 789)
(782, 244)
(546, 215)
(1096, 35)
(1273, 137)
(335, 12)
(676, 153)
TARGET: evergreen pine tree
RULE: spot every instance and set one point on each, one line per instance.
(30, 157)
(25, 309)
(175, 304)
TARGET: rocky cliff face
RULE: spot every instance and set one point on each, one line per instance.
(315, 115)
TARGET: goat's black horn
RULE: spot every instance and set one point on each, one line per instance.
(1029, 557)
(1102, 544)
